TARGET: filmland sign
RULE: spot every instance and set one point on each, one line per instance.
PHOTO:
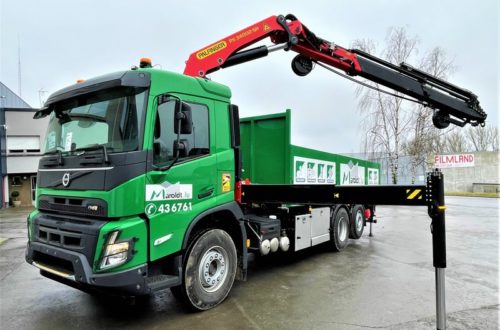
(450, 161)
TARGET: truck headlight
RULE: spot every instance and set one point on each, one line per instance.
(115, 253)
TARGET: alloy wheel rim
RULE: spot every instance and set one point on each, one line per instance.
(213, 268)
(359, 221)
(342, 229)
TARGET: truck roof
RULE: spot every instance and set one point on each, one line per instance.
(159, 81)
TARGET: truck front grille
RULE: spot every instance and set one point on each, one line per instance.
(63, 238)
(81, 206)
(68, 232)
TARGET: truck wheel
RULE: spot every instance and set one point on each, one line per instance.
(357, 222)
(209, 270)
(340, 230)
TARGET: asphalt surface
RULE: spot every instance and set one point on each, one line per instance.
(381, 282)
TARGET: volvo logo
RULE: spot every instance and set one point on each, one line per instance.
(65, 179)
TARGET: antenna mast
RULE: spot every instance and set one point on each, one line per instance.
(19, 65)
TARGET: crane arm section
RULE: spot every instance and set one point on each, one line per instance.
(451, 103)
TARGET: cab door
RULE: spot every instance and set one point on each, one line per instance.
(176, 193)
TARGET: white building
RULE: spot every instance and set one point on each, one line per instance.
(21, 139)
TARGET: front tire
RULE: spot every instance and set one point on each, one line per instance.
(340, 230)
(209, 270)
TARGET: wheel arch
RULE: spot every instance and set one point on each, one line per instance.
(337, 207)
(227, 217)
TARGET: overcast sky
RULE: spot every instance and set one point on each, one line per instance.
(62, 41)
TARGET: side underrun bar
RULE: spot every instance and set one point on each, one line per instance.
(332, 194)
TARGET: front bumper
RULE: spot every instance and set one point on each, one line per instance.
(73, 269)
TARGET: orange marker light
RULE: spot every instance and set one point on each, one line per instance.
(79, 81)
(145, 62)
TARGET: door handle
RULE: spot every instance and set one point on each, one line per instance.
(206, 192)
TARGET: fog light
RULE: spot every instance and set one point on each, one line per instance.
(116, 253)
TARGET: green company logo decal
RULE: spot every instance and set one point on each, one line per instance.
(330, 173)
(321, 173)
(373, 177)
(352, 174)
(167, 191)
(300, 171)
(313, 171)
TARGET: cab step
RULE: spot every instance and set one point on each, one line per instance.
(160, 282)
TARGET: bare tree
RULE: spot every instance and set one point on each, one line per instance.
(483, 138)
(455, 142)
(420, 145)
(423, 138)
(494, 139)
(478, 137)
(392, 125)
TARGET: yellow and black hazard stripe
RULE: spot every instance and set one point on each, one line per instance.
(414, 193)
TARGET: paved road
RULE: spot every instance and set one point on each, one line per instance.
(386, 281)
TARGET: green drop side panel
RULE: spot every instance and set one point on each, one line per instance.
(269, 158)
(265, 148)
(342, 163)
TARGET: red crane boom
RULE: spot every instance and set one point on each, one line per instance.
(451, 103)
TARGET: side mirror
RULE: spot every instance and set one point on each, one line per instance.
(182, 118)
(181, 147)
(41, 114)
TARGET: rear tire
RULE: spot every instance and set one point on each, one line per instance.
(209, 270)
(357, 224)
(340, 230)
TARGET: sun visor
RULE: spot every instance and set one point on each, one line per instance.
(136, 79)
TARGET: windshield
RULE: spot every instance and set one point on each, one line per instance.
(112, 119)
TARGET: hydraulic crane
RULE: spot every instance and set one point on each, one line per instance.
(451, 103)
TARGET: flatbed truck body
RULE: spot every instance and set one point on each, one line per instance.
(269, 157)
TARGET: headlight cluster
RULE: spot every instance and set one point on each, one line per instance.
(115, 253)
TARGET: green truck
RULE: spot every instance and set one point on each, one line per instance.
(138, 188)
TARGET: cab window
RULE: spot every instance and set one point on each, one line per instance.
(196, 144)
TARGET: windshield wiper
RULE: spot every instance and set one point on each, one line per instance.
(96, 147)
(59, 155)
